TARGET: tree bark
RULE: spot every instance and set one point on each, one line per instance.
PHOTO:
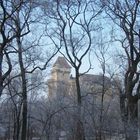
(24, 92)
(79, 124)
(1, 79)
(132, 123)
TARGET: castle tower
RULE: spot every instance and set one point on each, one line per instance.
(61, 70)
(60, 74)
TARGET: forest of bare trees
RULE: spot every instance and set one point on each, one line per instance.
(89, 34)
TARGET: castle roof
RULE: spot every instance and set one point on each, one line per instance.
(61, 63)
(96, 79)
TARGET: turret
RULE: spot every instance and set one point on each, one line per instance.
(61, 70)
(60, 76)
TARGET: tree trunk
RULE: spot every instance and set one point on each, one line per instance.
(79, 124)
(130, 118)
(16, 126)
(24, 92)
(24, 120)
(1, 79)
(132, 124)
(138, 119)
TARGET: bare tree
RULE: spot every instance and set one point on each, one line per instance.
(73, 27)
(6, 35)
(126, 15)
(101, 56)
(17, 20)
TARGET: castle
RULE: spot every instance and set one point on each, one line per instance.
(61, 78)
(98, 92)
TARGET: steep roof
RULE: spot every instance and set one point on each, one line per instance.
(61, 63)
